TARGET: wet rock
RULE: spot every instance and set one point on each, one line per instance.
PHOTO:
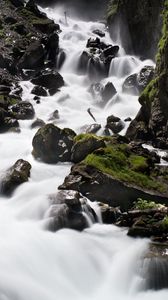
(111, 51)
(96, 90)
(37, 123)
(130, 85)
(52, 47)
(108, 92)
(54, 115)
(85, 146)
(93, 128)
(99, 32)
(21, 29)
(148, 223)
(115, 124)
(16, 175)
(67, 211)
(128, 119)
(51, 80)
(7, 122)
(155, 267)
(144, 77)
(10, 20)
(52, 144)
(33, 57)
(136, 83)
(39, 91)
(17, 3)
(23, 110)
(109, 214)
(130, 18)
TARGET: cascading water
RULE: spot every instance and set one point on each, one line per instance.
(101, 262)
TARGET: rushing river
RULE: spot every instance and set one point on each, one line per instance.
(100, 263)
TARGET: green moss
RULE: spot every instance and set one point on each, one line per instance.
(138, 163)
(145, 204)
(85, 136)
(149, 93)
(115, 161)
(2, 34)
(112, 9)
(165, 223)
(164, 39)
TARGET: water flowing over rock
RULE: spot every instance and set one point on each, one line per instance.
(61, 244)
(17, 174)
(69, 209)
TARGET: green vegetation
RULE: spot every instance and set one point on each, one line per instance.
(117, 161)
(145, 204)
(164, 39)
(149, 93)
(86, 136)
(165, 223)
(2, 34)
(112, 9)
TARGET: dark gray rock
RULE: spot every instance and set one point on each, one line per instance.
(67, 211)
(37, 123)
(16, 175)
(39, 91)
(52, 144)
(50, 80)
(33, 57)
(23, 110)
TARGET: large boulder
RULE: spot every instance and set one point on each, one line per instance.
(33, 57)
(136, 83)
(151, 122)
(115, 124)
(84, 145)
(14, 176)
(117, 175)
(67, 210)
(50, 80)
(52, 144)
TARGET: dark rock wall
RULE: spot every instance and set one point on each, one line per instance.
(138, 23)
(151, 123)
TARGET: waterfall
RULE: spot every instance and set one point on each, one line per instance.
(100, 262)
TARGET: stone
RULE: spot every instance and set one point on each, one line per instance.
(67, 211)
(85, 146)
(23, 110)
(16, 175)
(115, 124)
(136, 83)
(52, 144)
(33, 58)
(99, 32)
(50, 80)
(108, 92)
(37, 123)
(39, 91)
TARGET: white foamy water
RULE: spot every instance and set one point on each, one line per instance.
(101, 262)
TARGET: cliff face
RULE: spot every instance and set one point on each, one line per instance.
(138, 24)
(151, 123)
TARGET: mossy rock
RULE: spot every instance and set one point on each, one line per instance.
(84, 145)
(52, 144)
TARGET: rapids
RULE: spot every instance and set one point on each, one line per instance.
(101, 262)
